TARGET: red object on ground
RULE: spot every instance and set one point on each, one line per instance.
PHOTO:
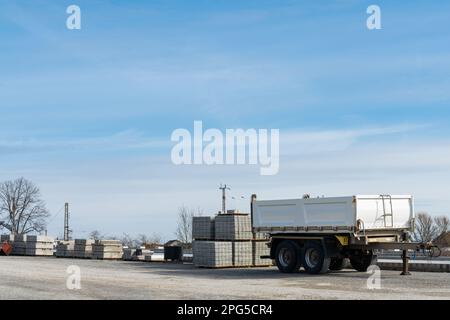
(5, 248)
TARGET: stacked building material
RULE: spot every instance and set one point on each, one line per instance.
(65, 249)
(18, 242)
(39, 246)
(6, 237)
(233, 227)
(203, 228)
(242, 254)
(260, 236)
(30, 245)
(260, 248)
(213, 254)
(107, 250)
(83, 248)
(215, 236)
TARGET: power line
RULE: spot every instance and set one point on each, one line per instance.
(53, 218)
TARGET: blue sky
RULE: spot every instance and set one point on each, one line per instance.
(87, 114)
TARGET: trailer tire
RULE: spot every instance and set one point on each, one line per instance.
(337, 264)
(314, 258)
(287, 256)
(362, 263)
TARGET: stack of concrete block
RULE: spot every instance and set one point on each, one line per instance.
(233, 227)
(6, 237)
(213, 254)
(260, 248)
(39, 246)
(234, 244)
(83, 248)
(65, 249)
(260, 236)
(242, 254)
(30, 245)
(19, 245)
(107, 250)
(203, 228)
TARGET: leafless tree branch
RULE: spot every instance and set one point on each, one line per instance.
(21, 207)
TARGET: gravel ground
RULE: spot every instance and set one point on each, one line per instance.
(45, 278)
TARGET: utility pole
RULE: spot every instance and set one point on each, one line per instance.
(224, 188)
(66, 222)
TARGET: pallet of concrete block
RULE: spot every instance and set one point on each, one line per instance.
(242, 254)
(212, 254)
(107, 250)
(39, 245)
(65, 249)
(6, 237)
(260, 236)
(83, 248)
(203, 228)
(18, 242)
(235, 226)
(260, 248)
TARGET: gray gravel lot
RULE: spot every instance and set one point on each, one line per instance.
(45, 278)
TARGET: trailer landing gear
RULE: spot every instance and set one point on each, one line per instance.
(405, 259)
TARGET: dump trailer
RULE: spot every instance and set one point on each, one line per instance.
(324, 233)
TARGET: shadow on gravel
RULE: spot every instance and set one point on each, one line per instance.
(189, 270)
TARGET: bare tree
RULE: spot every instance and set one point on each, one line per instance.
(425, 229)
(96, 235)
(128, 241)
(142, 239)
(21, 207)
(442, 224)
(428, 229)
(184, 223)
(155, 238)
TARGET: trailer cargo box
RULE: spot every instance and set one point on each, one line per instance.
(335, 214)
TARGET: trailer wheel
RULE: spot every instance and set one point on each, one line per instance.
(287, 256)
(361, 263)
(314, 258)
(337, 264)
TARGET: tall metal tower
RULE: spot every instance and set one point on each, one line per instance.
(66, 222)
(224, 196)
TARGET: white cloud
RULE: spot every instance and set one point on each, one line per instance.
(129, 139)
(141, 194)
